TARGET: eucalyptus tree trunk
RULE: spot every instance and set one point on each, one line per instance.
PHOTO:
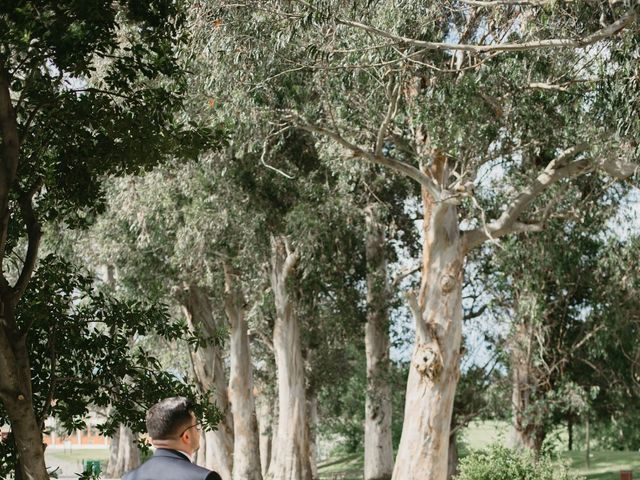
(526, 432)
(434, 369)
(246, 448)
(265, 414)
(290, 460)
(209, 373)
(123, 453)
(378, 450)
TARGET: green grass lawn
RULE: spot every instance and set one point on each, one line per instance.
(603, 465)
(79, 455)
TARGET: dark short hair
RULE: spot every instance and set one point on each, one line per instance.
(168, 417)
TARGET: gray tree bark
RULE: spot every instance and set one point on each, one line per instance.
(209, 373)
(378, 451)
(290, 459)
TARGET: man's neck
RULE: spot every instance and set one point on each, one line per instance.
(171, 445)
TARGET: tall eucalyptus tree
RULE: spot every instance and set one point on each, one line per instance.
(486, 105)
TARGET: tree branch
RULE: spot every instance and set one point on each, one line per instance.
(394, 91)
(34, 234)
(401, 167)
(507, 223)
(606, 32)
(404, 273)
(416, 311)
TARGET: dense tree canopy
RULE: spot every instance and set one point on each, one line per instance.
(87, 90)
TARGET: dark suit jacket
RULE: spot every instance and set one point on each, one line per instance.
(170, 465)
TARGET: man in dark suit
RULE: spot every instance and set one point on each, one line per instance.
(175, 434)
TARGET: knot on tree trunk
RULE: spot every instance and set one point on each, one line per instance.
(428, 361)
(447, 283)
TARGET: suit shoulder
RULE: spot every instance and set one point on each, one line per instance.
(213, 476)
(202, 473)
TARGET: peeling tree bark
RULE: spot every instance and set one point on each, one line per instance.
(209, 373)
(290, 460)
(246, 449)
(378, 450)
(434, 370)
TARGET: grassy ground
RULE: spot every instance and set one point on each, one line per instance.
(79, 455)
(68, 464)
(603, 465)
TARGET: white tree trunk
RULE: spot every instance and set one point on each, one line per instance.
(123, 453)
(265, 414)
(246, 450)
(434, 370)
(378, 450)
(290, 460)
(209, 373)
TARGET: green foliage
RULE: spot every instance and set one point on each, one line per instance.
(82, 356)
(501, 463)
(97, 88)
(341, 403)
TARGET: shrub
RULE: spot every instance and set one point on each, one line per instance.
(501, 463)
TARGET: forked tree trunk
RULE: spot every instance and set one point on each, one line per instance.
(246, 449)
(378, 450)
(434, 370)
(290, 460)
(265, 414)
(16, 396)
(123, 453)
(209, 373)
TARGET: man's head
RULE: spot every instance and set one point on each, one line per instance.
(171, 423)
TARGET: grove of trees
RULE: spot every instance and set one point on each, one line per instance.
(287, 195)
